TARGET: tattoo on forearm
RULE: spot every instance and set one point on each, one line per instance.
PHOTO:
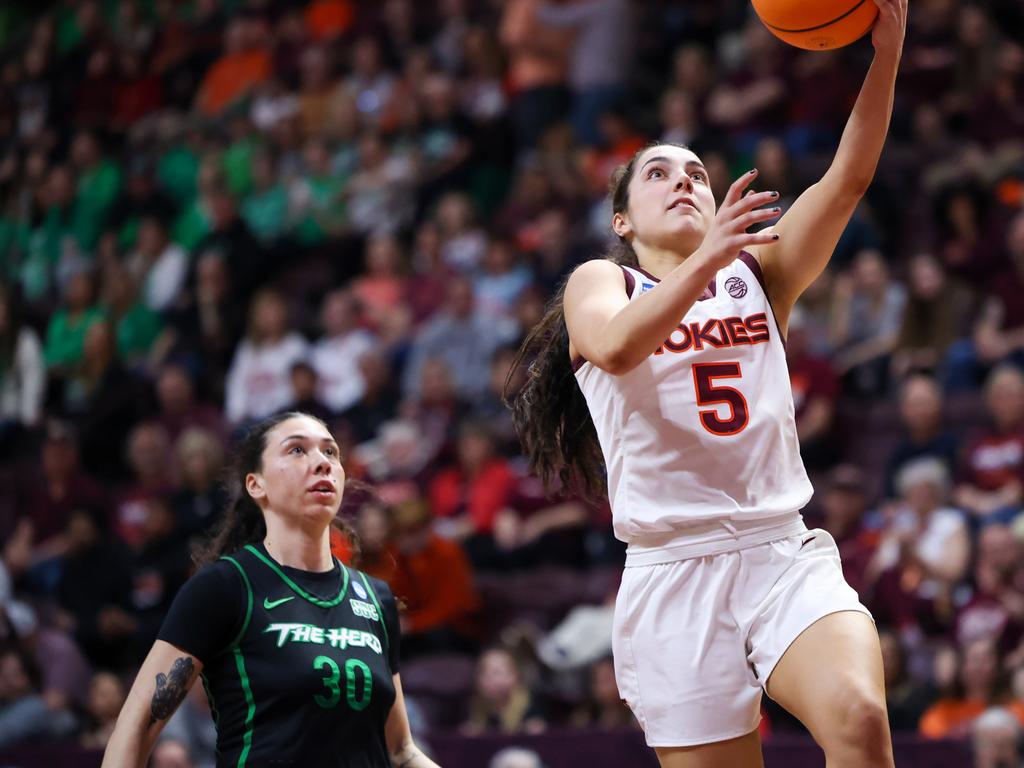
(171, 689)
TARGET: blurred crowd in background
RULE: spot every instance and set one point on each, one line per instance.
(215, 210)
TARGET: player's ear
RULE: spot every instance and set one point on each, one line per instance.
(255, 486)
(621, 225)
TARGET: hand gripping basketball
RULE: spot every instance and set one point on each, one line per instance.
(727, 235)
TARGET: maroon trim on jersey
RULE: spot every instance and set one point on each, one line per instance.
(630, 281)
(579, 360)
(710, 291)
(755, 267)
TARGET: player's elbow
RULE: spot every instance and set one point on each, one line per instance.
(615, 360)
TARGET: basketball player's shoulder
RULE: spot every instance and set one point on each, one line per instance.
(597, 275)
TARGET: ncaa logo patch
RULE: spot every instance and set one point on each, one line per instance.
(736, 287)
(359, 589)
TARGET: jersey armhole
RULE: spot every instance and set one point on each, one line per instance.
(630, 282)
(751, 262)
(247, 602)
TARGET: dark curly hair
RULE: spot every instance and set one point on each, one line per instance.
(549, 412)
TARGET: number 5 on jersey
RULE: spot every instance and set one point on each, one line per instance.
(711, 394)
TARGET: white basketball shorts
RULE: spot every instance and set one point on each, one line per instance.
(695, 640)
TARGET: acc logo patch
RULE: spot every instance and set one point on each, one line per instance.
(365, 610)
(736, 287)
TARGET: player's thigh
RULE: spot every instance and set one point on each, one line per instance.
(832, 675)
(744, 752)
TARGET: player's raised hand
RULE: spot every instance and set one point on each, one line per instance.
(890, 26)
(728, 233)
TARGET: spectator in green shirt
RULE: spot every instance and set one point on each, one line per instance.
(99, 183)
(136, 326)
(65, 335)
(265, 210)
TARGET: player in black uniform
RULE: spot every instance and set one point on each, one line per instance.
(298, 653)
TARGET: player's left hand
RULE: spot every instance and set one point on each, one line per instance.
(890, 26)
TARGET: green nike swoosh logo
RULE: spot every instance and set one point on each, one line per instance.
(268, 604)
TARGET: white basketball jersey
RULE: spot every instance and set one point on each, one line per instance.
(700, 440)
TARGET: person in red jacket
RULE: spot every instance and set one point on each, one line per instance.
(470, 493)
(434, 582)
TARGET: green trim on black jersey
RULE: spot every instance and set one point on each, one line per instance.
(240, 665)
(299, 590)
(380, 611)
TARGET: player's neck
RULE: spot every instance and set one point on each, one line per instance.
(297, 548)
(657, 261)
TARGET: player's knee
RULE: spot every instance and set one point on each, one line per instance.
(863, 724)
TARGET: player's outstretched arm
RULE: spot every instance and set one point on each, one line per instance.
(811, 228)
(402, 749)
(163, 680)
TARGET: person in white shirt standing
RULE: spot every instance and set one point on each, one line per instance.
(664, 365)
(335, 356)
(259, 381)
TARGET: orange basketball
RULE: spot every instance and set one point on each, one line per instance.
(817, 25)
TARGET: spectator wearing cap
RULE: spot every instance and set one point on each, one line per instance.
(844, 505)
(921, 406)
(992, 471)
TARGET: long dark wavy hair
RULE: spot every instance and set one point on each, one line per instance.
(242, 522)
(549, 412)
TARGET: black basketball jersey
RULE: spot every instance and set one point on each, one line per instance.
(307, 679)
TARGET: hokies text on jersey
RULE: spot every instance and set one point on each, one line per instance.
(717, 333)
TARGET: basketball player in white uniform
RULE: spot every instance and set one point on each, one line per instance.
(678, 350)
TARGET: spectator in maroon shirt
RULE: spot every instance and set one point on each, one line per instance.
(844, 505)
(178, 408)
(63, 487)
(999, 334)
(815, 394)
(995, 611)
(992, 470)
(149, 454)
